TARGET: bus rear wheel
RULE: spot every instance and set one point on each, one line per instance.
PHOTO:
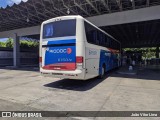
(102, 73)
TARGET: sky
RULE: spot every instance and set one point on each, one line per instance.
(22, 38)
(5, 3)
(3, 39)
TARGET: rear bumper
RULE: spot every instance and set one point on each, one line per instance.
(76, 74)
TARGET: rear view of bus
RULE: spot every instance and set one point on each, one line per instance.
(62, 48)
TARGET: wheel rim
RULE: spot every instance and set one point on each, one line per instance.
(102, 71)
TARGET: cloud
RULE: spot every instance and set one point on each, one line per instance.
(5, 3)
(15, 1)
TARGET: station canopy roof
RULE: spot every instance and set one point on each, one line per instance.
(27, 13)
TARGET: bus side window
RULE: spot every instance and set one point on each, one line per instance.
(89, 33)
(98, 38)
(90, 36)
(106, 41)
(116, 46)
(95, 37)
(113, 44)
(102, 39)
(109, 42)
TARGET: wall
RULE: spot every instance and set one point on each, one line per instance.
(27, 57)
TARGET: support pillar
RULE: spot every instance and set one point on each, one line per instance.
(16, 51)
(157, 52)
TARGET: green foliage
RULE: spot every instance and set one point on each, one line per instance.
(2, 44)
(147, 53)
(9, 43)
(23, 43)
(28, 44)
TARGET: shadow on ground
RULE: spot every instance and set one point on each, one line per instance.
(77, 85)
(143, 73)
(31, 68)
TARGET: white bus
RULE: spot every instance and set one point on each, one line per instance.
(71, 47)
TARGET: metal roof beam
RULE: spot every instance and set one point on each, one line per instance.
(36, 12)
(95, 9)
(45, 16)
(30, 14)
(137, 15)
(52, 13)
(140, 45)
(10, 19)
(53, 5)
(20, 18)
(79, 6)
(68, 8)
(106, 5)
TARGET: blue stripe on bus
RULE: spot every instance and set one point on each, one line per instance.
(62, 41)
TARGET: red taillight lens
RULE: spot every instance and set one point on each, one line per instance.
(79, 59)
(40, 59)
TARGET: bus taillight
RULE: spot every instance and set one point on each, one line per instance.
(40, 59)
(79, 62)
(79, 59)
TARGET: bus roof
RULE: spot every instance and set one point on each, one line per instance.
(79, 17)
(63, 17)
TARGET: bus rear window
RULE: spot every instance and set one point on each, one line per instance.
(59, 29)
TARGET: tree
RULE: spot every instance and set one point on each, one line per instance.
(23, 43)
(9, 43)
(29, 43)
(2, 44)
(147, 53)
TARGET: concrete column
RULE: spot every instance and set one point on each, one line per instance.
(157, 52)
(16, 51)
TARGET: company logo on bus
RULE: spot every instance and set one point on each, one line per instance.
(68, 50)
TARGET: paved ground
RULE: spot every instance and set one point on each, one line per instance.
(27, 90)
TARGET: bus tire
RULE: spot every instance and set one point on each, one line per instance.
(103, 72)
